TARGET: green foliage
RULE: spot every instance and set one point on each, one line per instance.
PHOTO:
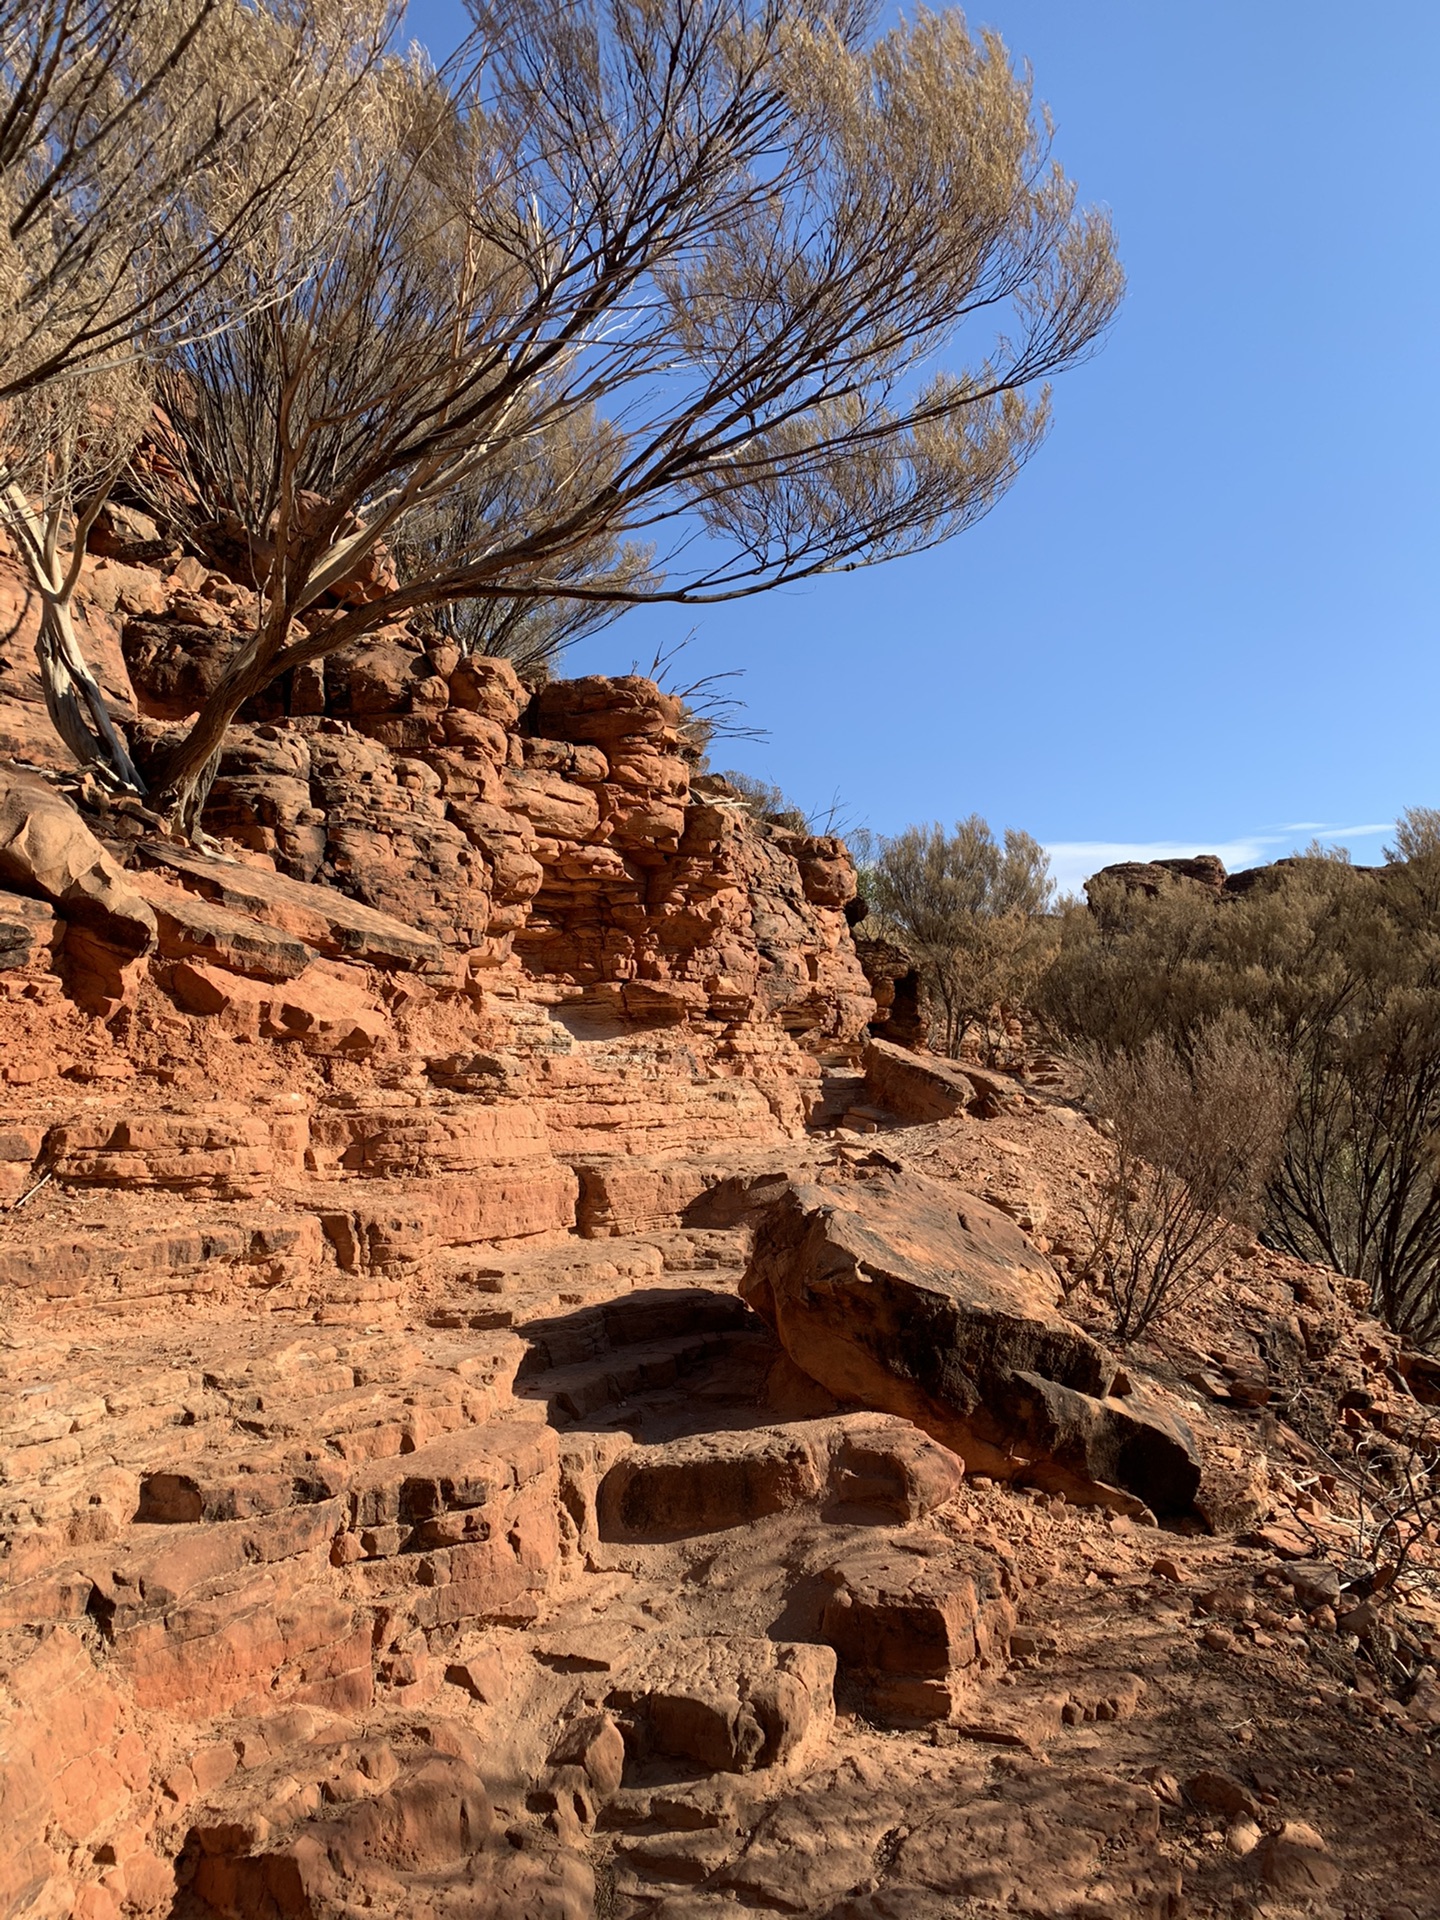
(1339, 968)
(968, 908)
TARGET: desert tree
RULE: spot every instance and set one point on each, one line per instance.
(530, 632)
(69, 440)
(141, 142)
(967, 909)
(119, 120)
(749, 289)
(1358, 1187)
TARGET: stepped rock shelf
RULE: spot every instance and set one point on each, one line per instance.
(511, 1407)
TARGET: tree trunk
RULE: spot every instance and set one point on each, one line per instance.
(74, 700)
(187, 773)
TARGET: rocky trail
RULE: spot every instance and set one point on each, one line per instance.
(560, 1589)
(511, 1404)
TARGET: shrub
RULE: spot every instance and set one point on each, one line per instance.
(1384, 1484)
(1197, 1130)
(766, 801)
(969, 910)
(1339, 967)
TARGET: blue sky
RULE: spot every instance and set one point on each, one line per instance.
(1205, 618)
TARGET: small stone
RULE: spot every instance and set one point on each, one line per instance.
(1220, 1793)
(212, 1766)
(1164, 1786)
(1292, 1863)
(482, 1676)
(595, 1745)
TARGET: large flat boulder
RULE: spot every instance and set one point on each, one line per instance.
(192, 927)
(704, 1482)
(47, 850)
(921, 1087)
(899, 1293)
(321, 917)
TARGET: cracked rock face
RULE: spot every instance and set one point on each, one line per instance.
(899, 1293)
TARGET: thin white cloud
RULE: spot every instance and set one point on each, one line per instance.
(1363, 832)
(1072, 862)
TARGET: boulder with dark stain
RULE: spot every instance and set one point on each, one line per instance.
(897, 1293)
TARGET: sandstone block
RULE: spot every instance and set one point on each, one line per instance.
(174, 664)
(563, 756)
(434, 1818)
(468, 1138)
(223, 1153)
(1219, 1792)
(827, 872)
(706, 1483)
(490, 687)
(727, 1705)
(911, 1630)
(30, 933)
(921, 1087)
(628, 1196)
(894, 1470)
(604, 711)
(637, 823)
(47, 850)
(191, 926)
(553, 805)
(1294, 1865)
(894, 1292)
(322, 917)
(149, 1882)
(595, 1744)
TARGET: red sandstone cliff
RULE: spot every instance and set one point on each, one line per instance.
(402, 1512)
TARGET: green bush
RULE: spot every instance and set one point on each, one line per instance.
(1337, 968)
(970, 911)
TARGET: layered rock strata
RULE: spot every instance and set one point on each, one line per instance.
(402, 1511)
